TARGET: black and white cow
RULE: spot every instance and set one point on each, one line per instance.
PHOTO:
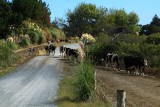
(133, 63)
(67, 52)
(113, 59)
(73, 53)
(31, 50)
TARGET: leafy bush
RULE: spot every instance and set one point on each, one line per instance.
(154, 61)
(85, 81)
(129, 49)
(149, 49)
(129, 38)
(56, 33)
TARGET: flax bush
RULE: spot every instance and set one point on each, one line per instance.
(85, 81)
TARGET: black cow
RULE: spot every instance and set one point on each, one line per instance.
(74, 54)
(136, 62)
(52, 48)
(62, 50)
(47, 48)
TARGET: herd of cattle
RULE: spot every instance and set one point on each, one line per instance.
(65, 52)
(133, 64)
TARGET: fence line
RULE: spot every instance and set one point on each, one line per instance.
(106, 86)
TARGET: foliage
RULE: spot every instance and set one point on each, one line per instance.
(85, 81)
(153, 39)
(34, 37)
(129, 38)
(87, 38)
(154, 61)
(56, 33)
(6, 55)
(87, 18)
(81, 20)
(127, 44)
(32, 9)
(25, 42)
(41, 39)
(153, 27)
(5, 13)
(12, 45)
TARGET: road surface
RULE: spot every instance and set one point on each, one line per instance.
(34, 84)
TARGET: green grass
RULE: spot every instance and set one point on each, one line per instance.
(67, 93)
(85, 81)
(67, 96)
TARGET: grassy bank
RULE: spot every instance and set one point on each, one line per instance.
(67, 91)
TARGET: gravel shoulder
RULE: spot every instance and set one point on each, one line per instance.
(141, 91)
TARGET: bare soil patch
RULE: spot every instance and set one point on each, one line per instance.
(141, 91)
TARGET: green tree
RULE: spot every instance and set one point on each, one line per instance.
(82, 19)
(32, 9)
(155, 21)
(153, 27)
(5, 16)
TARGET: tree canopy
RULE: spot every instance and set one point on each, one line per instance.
(153, 27)
(13, 13)
(87, 18)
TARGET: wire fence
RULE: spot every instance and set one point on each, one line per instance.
(109, 95)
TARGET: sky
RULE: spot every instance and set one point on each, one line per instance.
(145, 9)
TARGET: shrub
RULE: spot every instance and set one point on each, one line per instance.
(149, 49)
(25, 42)
(41, 39)
(6, 55)
(85, 81)
(129, 49)
(154, 61)
(12, 45)
(129, 38)
(34, 37)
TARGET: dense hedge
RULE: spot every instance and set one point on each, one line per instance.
(127, 44)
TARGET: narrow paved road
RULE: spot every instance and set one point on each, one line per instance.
(34, 84)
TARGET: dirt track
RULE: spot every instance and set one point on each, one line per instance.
(141, 91)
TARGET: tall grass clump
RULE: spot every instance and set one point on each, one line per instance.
(12, 45)
(25, 42)
(85, 81)
(41, 39)
(7, 57)
(34, 37)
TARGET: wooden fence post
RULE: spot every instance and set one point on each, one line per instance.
(121, 97)
(95, 82)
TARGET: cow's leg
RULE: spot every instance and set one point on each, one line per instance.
(141, 69)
